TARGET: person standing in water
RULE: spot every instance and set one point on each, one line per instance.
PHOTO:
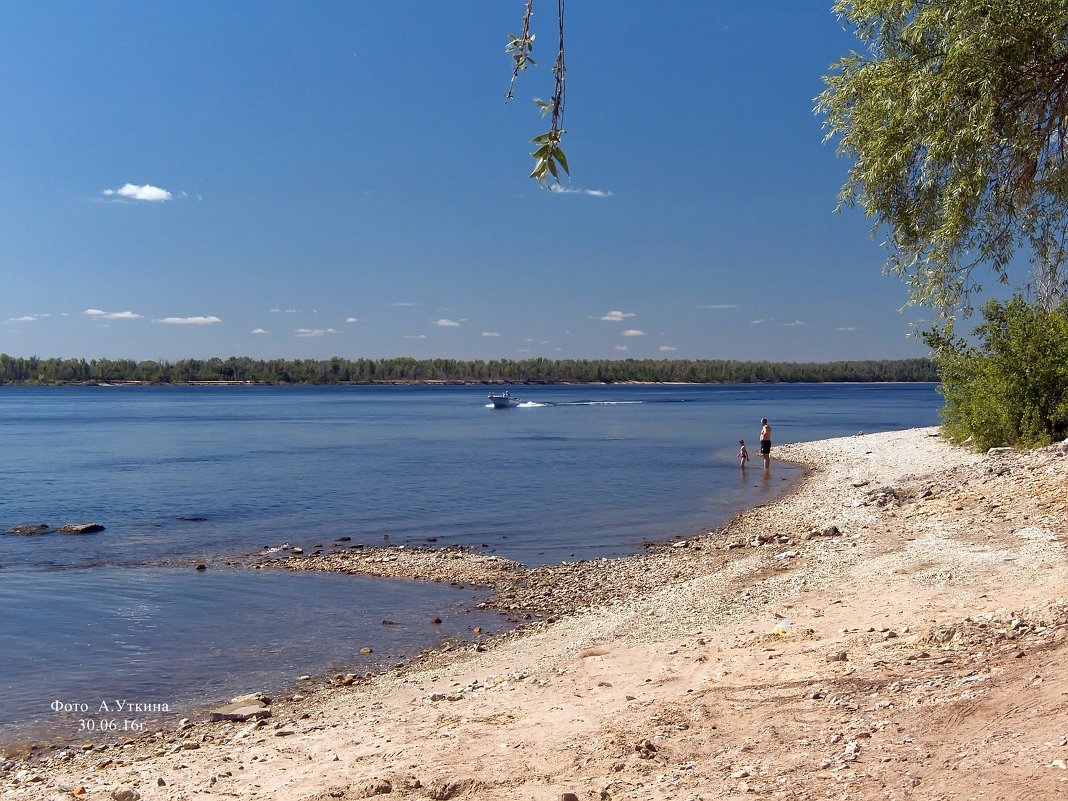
(743, 454)
(765, 442)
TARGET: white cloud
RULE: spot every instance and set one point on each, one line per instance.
(618, 316)
(446, 323)
(566, 190)
(666, 348)
(258, 331)
(189, 320)
(621, 347)
(847, 328)
(103, 315)
(490, 334)
(720, 306)
(414, 336)
(26, 318)
(633, 332)
(756, 322)
(352, 320)
(152, 194)
(402, 304)
(315, 332)
(795, 324)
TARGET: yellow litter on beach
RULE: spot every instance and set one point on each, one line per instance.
(781, 628)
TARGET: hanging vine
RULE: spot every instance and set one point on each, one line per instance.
(549, 158)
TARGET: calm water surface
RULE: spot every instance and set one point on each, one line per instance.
(192, 473)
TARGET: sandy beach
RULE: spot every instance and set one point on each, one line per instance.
(895, 628)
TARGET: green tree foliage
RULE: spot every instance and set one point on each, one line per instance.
(405, 370)
(954, 118)
(549, 157)
(1010, 389)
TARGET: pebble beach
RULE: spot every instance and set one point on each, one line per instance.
(893, 628)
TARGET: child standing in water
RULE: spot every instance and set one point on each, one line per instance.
(743, 454)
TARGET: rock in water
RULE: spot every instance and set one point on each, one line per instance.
(81, 528)
(32, 530)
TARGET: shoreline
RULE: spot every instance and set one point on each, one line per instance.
(663, 664)
(522, 595)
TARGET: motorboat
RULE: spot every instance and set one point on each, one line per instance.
(502, 400)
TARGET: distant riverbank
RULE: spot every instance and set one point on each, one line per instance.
(401, 371)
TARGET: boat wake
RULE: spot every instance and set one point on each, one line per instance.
(599, 403)
(545, 404)
(535, 404)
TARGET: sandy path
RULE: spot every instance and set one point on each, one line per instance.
(925, 592)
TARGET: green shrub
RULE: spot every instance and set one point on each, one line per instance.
(1011, 388)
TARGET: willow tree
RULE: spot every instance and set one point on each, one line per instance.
(954, 117)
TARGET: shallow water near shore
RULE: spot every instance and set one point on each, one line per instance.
(127, 647)
(186, 474)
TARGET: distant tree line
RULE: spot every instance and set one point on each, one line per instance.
(403, 370)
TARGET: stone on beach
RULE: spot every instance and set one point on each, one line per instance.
(241, 708)
(239, 712)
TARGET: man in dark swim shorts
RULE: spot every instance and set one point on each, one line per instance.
(765, 441)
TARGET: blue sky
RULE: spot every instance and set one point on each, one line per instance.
(302, 180)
